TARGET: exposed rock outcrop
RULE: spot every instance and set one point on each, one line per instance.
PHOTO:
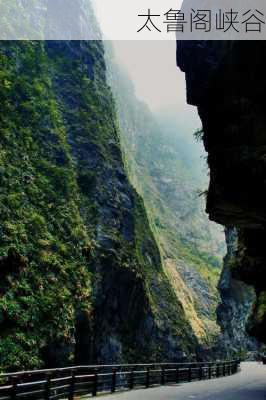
(238, 300)
(226, 81)
(161, 165)
(82, 278)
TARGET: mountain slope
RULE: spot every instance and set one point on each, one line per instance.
(81, 274)
(163, 170)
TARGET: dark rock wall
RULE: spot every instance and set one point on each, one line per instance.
(162, 167)
(236, 306)
(131, 295)
(226, 81)
(81, 274)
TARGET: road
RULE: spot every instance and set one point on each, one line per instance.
(249, 384)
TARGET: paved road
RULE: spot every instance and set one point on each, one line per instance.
(249, 384)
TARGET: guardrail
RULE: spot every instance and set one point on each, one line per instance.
(66, 383)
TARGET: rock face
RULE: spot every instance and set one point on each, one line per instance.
(236, 307)
(161, 165)
(81, 274)
(226, 81)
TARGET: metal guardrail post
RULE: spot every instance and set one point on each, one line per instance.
(177, 377)
(148, 377)
(95, 383)
(72, 386)
(189, 374)
(113, 387)
(224, 369)
(163, 376)
(13, 395)
(131, 379)
(47, 387)
(210, 371)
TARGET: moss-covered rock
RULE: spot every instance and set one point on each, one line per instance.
(81, 275)
(162, 167)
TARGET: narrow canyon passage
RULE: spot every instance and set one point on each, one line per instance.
(132, 220)
(248, 384)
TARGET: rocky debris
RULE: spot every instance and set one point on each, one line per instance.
(200, 288)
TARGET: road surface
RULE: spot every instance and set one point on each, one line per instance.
(249, 384)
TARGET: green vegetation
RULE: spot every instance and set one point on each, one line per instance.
(198, 135)
(44, 275)
(260, 308)
(162, 169)
(81, 274)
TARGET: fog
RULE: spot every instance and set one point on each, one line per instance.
(151, 65)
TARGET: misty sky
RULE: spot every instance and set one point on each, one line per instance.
(151, 65)
(152, 68)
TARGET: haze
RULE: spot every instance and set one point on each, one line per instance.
(152, 68)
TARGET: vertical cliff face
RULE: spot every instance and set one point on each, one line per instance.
(163, 170)
(238, 299)
(227, 84)
(81, 274)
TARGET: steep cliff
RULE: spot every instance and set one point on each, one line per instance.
(166, 172)
(81, 274)
(236, 307)
(226, 80)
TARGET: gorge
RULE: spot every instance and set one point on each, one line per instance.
(106, 252)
